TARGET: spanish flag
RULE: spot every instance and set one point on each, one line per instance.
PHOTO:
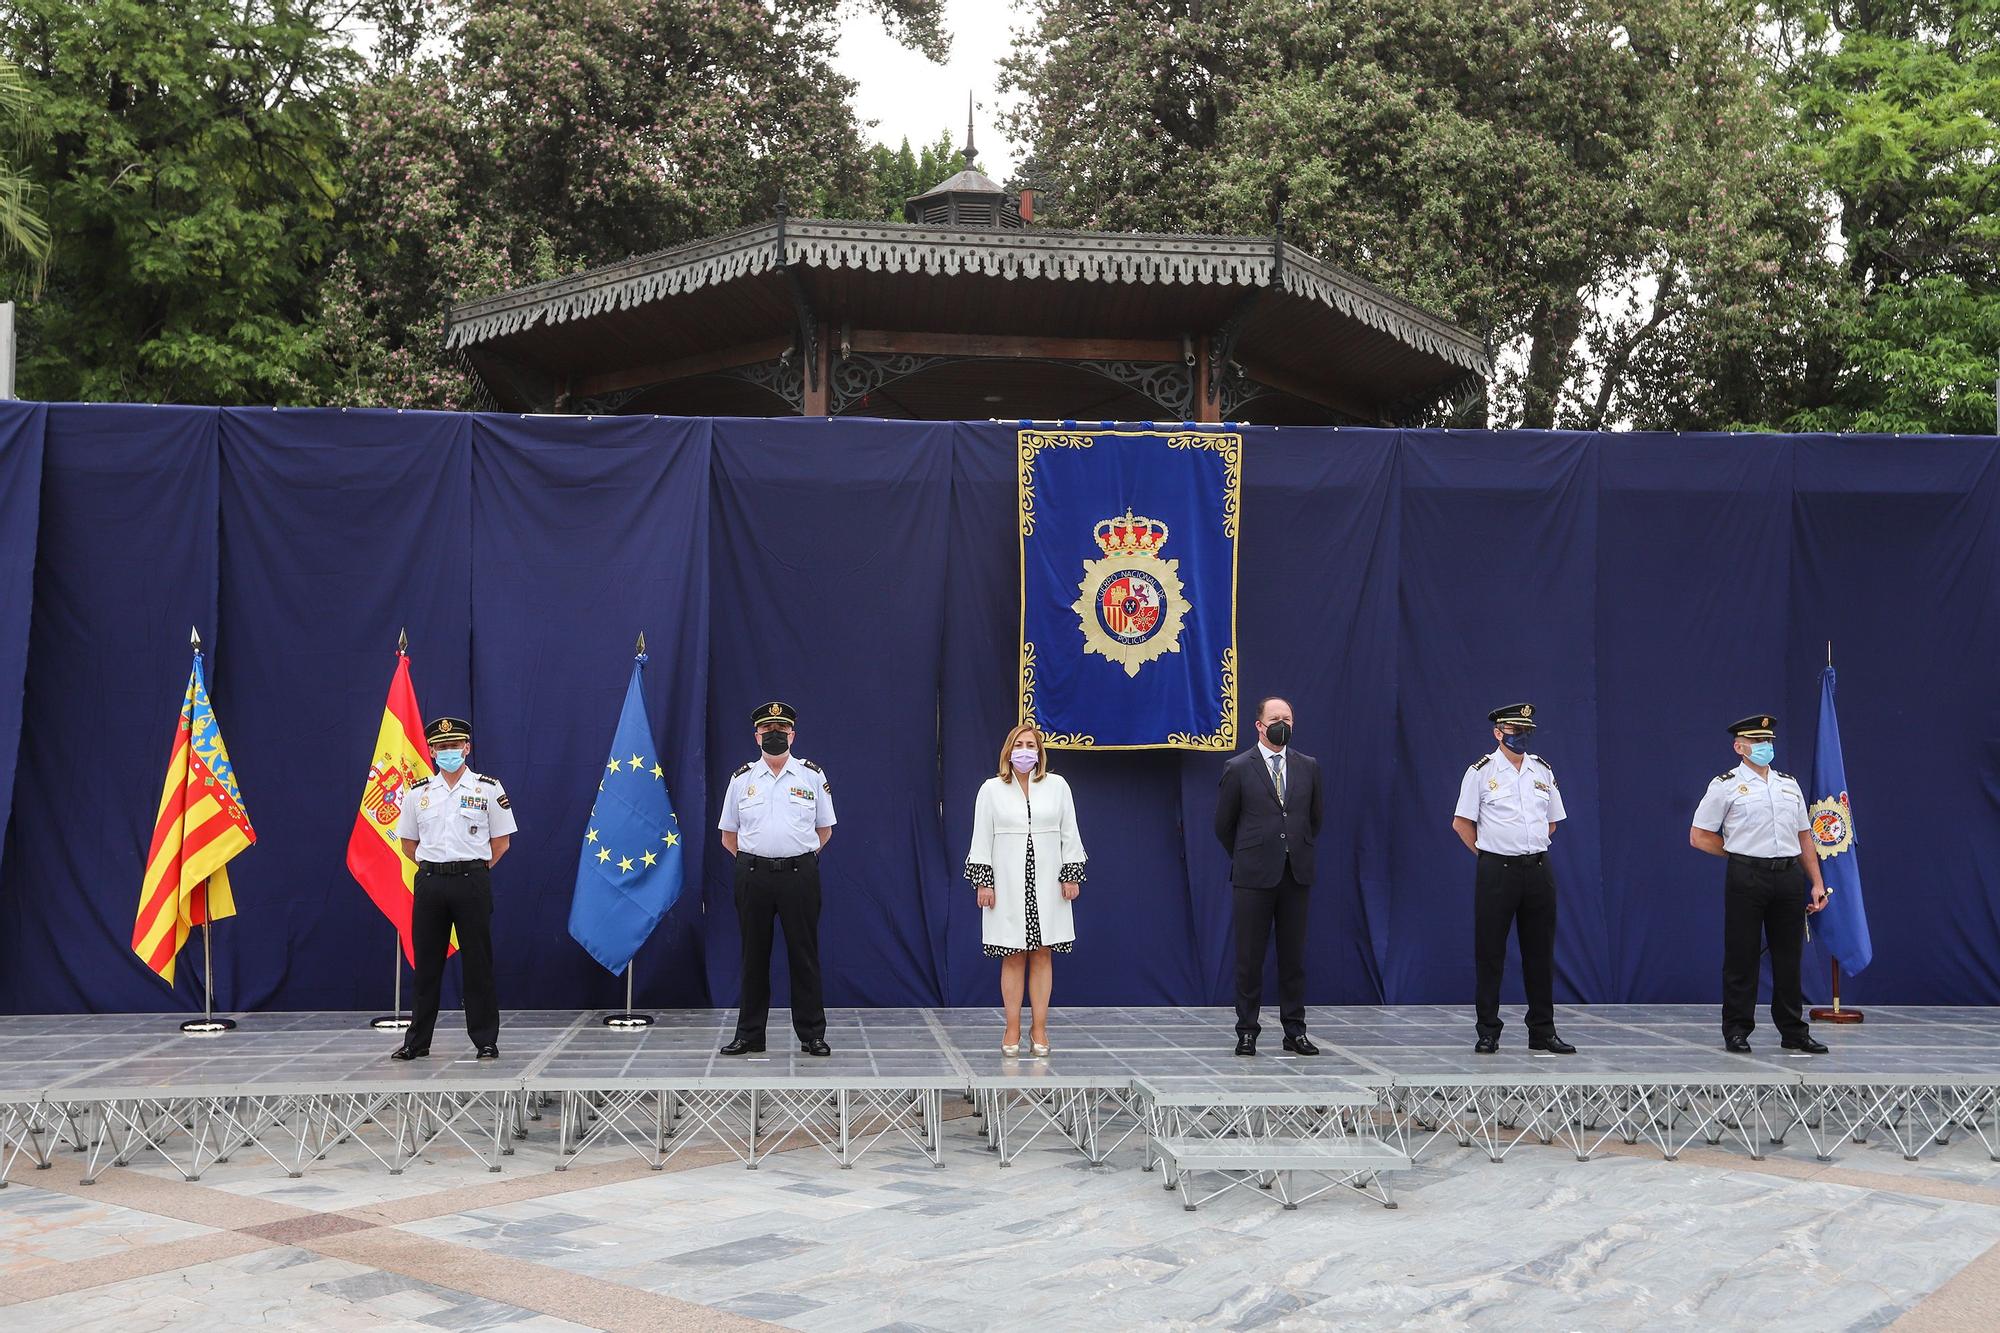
(201, 826)
(401, 760)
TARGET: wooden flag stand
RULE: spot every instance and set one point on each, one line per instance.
(208, 1024)
(398, 1020)
(1837, 1014)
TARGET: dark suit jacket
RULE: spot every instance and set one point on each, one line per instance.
(1259, 833)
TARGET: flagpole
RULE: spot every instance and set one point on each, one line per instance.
(208, 1024)
(1836, 1014)
(627, 1020)
(394, 1022)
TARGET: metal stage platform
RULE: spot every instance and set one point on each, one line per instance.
(289, 1087)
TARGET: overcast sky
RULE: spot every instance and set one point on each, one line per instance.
(908, 96)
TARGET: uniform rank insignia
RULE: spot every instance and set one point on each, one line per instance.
(740, 772)
(1130, 604)
(505, 804)
(1484, 760)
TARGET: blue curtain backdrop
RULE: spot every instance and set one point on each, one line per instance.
(1642, 590)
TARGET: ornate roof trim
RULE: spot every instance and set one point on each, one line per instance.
(889, 247)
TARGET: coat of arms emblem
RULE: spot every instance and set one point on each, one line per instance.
(1130, 604)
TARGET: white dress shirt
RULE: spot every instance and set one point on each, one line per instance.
(455, 821)
(1755, 816)
(1513, 807)
(777, 815)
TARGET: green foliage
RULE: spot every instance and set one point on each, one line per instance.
(554, 135)
(190, 153)
(24, 233)
(897, 174)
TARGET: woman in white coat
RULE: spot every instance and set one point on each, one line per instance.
(1025, 844)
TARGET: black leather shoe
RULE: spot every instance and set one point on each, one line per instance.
(1553, 1044)
(489, 1052)
(1246, 1043)
(815, 1047)
(1736, 1045)
(405, 1053)
(1806, 1044)
(1486, 1046)
(743, 1046)
(1301, 1045)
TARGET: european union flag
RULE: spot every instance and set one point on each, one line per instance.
(1843, 922)
(629, 872)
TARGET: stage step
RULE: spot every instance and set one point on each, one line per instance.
(1269, 1163)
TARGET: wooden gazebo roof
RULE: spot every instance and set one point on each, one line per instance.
(906, 320)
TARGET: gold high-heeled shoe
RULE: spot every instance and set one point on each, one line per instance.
(1010, 1050)
(1040, 1048)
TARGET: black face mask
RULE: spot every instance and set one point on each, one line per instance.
(1278, 734)
(774, 742)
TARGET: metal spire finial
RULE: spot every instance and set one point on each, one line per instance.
(403, 642)
(968, 152)
(641, 649)
(194, 638)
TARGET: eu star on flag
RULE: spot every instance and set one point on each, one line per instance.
(629, 871)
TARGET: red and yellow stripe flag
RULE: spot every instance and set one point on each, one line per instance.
(401, 760)
(201, 825)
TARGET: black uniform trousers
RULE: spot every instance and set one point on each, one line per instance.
(457, 896)
(1257, 911)
(1514, 893)
(1763, 898)
(785, 890)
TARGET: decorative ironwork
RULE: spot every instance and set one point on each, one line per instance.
(1168, 385)
(1441, 406)
(858, 374)
(608, 404)
(780, 375)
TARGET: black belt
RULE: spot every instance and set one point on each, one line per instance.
(1765, 862)
(452, 867)
(775, 862)
(1524, 859)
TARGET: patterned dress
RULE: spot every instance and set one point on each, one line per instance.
(982, 877)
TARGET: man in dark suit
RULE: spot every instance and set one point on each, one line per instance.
(1267, 814)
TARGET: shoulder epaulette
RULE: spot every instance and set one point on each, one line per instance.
(1484, 760)
(807, 763)
(741, 771)
(1547, 767)
(1786, 776)
(1723, 777)
(491, 782)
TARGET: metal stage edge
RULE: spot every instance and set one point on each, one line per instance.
(290, 1088)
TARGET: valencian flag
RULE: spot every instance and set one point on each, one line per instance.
(629, 871)
(1842, 925)
(201, 826)
(401, 760)
(1128, 587)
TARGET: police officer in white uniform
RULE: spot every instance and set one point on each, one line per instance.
(457, 825)
(1508, 809)
(1756, 817)
(776, 815)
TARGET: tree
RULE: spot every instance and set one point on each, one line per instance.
(555, 135)
(24, 233)
(898, 174)
(190, 151)
(1516, 165)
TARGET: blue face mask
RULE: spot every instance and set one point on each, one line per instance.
(450, 761)
(1518, 744)
(1762, 753)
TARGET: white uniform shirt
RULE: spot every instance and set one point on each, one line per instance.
(1755, 816)
(777, 814)
(456, 822)
(1513, 807)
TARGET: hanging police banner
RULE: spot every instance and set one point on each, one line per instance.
(1128, 587)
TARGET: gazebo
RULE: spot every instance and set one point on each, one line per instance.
(967, 310)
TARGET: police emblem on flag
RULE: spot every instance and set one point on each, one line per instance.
(1832, 825)
(1130, 604)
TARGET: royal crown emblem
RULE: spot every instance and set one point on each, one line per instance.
(1832, 825)
(1130, 604)
(382, 798)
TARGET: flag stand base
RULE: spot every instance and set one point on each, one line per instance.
(208, 1027)
(389, 1023)
(1838, 1016)
(628, 1021)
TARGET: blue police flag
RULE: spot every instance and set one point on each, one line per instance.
(1843, 923)
(1128, 587)
(629, 872)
